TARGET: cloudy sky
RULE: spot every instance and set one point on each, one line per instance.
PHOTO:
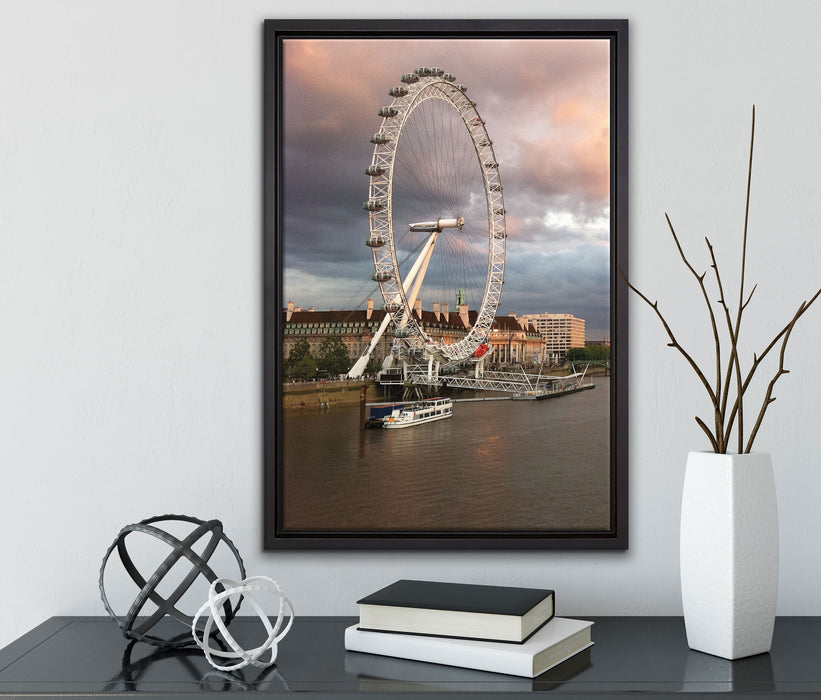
(546, 106)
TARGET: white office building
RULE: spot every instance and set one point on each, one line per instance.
(559, 331)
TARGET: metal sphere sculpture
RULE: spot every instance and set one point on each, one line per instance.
(222, 590)
(137, 627)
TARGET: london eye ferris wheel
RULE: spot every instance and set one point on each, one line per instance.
(436, 213)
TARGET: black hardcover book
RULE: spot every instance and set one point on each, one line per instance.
(472, 611)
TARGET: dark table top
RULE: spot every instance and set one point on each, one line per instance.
(89, 656)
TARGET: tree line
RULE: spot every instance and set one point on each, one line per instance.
(330, 360)
(589, 353)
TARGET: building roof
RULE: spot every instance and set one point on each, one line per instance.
(507, 323)
(428, 319)
(353, 316)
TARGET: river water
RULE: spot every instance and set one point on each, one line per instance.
(495, 465)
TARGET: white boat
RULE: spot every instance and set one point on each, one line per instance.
(420, 412)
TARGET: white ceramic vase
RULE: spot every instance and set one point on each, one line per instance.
(729, 553)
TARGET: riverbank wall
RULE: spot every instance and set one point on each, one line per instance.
(328, 394)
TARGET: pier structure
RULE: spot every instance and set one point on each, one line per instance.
(519, 383)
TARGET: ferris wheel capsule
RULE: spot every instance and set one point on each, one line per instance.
(379, 138)
(410, 78)
(376, 241)
(373, 205)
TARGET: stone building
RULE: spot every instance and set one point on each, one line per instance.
(512, 342)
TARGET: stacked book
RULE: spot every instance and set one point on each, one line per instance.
(492, 628)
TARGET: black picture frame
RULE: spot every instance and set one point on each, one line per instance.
(275, 535)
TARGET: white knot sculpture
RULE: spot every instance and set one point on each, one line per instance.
(246, 589)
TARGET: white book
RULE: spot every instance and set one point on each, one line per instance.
(557, 641)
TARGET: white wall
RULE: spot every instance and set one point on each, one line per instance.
(130, 164)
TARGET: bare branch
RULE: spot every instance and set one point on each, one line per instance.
(769, 398)
(744, 306)
(746, 220)
(719, 428)
(704, 427)
(673, 342)
(741, 304)
(714, 265)
(757, 359)
(733, 353)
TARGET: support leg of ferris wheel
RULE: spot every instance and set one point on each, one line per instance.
(420, 276)
(433, 370)
(359, 366)
(421, 262)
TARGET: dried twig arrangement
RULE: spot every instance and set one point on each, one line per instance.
(726, 415)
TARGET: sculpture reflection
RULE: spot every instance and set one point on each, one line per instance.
(187, 669)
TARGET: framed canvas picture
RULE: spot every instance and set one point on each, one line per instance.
(445, 341)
